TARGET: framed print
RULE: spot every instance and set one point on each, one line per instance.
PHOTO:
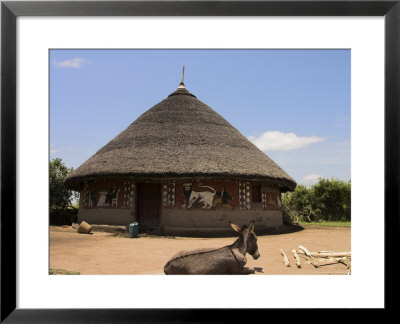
(36, 35)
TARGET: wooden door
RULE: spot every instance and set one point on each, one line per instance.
(149, 203)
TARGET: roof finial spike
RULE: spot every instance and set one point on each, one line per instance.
(182, 85)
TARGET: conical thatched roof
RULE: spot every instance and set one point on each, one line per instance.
(182, 137)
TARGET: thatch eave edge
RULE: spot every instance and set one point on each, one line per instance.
(284, 184)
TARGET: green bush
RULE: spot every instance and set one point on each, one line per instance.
(62, 211)
(328, 200)
(60, 197)
(64, 217)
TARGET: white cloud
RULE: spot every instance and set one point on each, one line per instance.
(73, 63)
(279, 141)
(311, 179)
(53, 150)
(58, 150)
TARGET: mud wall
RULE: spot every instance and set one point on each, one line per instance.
(198, 221)
(186, 205)
(106, 216)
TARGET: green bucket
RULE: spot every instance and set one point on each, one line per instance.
(133, 229)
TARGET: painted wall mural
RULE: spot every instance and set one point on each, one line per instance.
(271, 200)
(196, 194)
(96, 194)
(222, 199)
(108, 198)
(210, 195)
(202, 198)
(92, 199)
(187, 190)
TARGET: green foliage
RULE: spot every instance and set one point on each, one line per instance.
(63, 217)
(328, 200)
(60, 196)
(326, 224)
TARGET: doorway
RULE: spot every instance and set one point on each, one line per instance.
(149, 203)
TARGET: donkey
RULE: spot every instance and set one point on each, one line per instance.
(229, 259)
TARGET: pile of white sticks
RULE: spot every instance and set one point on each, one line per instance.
(318, 259)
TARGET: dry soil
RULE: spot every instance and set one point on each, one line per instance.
(107, 253)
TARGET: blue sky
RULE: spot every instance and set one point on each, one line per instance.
(293, 104)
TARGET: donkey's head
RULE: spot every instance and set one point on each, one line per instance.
(249, 238)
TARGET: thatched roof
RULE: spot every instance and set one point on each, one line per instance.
(182, 137)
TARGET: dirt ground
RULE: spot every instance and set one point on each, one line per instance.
(107, 253)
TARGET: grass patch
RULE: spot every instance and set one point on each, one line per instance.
(326, 223)
(63, 272)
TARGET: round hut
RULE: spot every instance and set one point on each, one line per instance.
(182, 169)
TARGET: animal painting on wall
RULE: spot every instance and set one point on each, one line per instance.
(205, 197)
(106, 198)
(187, 190)
(221, 199)
(111, 196)
(272, 201)
(92, 199)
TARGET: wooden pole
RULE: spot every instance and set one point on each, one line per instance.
(328, 261)
(330, 254)
(297, 259)
(306, 252)
(324, 254)
(285, 259)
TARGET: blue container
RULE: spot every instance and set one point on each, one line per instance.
(133, 229)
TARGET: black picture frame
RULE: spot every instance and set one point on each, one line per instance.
(10, 10)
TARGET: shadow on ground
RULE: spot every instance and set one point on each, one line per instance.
(285, 229)
(122, 231)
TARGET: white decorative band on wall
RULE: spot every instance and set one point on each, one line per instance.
(168, 193)
(244, 195)
(264, 200)
(85, 197)
(129, 193)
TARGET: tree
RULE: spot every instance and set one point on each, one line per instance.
(60, 196)
(334, 199)
(326, 200)
(300, 204)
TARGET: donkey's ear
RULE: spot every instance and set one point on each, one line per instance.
(237, 228)
(251, 227)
